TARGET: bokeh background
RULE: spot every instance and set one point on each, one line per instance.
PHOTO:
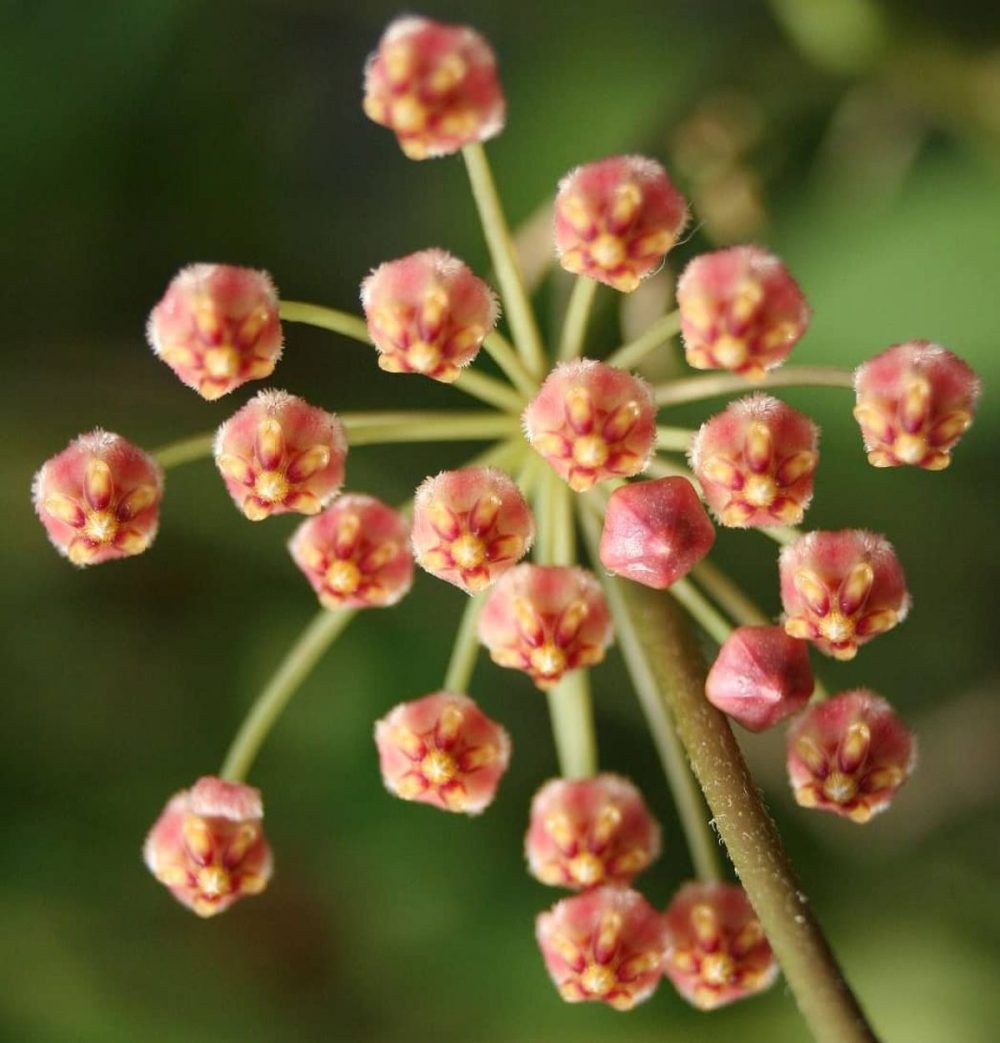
(860, 139)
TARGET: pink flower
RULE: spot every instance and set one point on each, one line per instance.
(442, 750)
(616, 219)
(841, 589)
(279, 454)
(208, 847)
(655, 532)
(586, 832)
(741, 310)
(591, 421)
(849, 755)
(756, 462)
(355, 554)
(716, 949)
(470, 526)
(217, 327)
(914, 402)
(435, 86)
(99, 498)
(760, 677)
(546, 620)
(605, 945)
(427, 313)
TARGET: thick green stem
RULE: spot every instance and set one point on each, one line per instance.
(466, 648)
(342, 322)
(292, 671)
(574, 328)
(694, 389)
(824, 997)
(505, 261)
(701, 842)
(661, 332)
(184, 450)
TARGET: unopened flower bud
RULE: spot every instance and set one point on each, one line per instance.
(716, 949)
(470, 526)
(427, 313)
(841, 589)
(756, 461)
(849, 755)
(605, 945)
(435, 86)
(741, 310)
(655, 532)
(217, 327)
(355, 554)
(442, 750)
(99, 498)
(546, 620)
(616, 219)
(280, 454)
(914, 402)
(591, 421)
(588, 832)
(208, 847)
(760, 676)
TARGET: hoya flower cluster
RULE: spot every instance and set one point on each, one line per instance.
(575, 439)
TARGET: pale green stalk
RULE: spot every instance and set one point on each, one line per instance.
(342, 322)
(466, 648)
(700, 608)
(184, 450)
(292, 671)
(505, 261)
(674, 439)
(426, 426)
(694, 389)
(505, 355)
(629, 355)
(574, 326)
(489, 389)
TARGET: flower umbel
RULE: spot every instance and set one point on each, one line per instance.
(99, 498)
(442, 750)
(217, 327)
(208, 846)
(849, 755)
(280, 454)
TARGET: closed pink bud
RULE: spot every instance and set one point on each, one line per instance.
(605, 945)
(217, 327)
(208, 846)
(616, 219)
(716, 949)
(546, 620)
(756, 461)
(655, 532)
(280, 454)
(435, 86)
(841, 589)
(99, 498)
(442, 750)
(586, 832)
(470, 526)
(355, 554)
(591, 421)
(427, 313)
(849, 755)
(741, 310)
(760, 676)
(914, 402)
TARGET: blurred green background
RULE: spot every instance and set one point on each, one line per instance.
(861, 140)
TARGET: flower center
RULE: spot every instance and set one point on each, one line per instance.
(214, 881)
(271, 486)
(598, 979)
(586, 869)
(438, 767)
(222, 362)
(839, 787)
(343, 576)
(717, 968)
(101, 526)
(590, 451)
(760, 490)
(468, 551)
(548, 660)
